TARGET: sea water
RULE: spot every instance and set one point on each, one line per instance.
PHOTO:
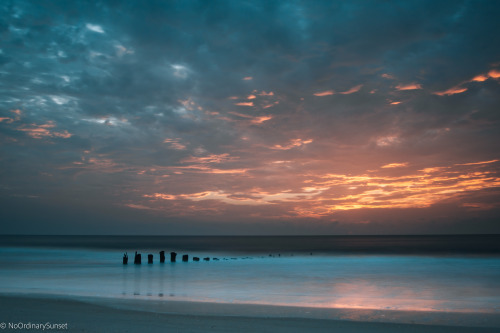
(374, 274)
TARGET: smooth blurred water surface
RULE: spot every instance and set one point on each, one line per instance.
(397, 282)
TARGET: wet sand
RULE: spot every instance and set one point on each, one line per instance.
(119, 315)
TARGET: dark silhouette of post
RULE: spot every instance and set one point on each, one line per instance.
(206, 258)
(196, 259)
(162, 257)
(125, 258)
(137, 259)
(185, 258)
(150, 258)
(172, 256)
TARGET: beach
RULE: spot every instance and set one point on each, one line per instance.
(249, 287)
(116, 316)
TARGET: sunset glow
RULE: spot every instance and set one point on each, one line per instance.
(250, 118)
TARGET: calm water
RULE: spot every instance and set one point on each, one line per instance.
(405, 273)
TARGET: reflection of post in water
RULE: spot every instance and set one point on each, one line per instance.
(124, 280)
(137, 280)
(149, 280)
(172, 278)
(161, 276)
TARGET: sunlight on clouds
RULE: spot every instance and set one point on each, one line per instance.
(214, 158)
(244, 104)
(247, 78)
(40, 131)
(494, 73)
(411, 86)
(395, 165)
(479, 78)
(261, 119)
(324, 93)
(479, 163)
(175, 144)
(451, 91)
(320, 195)
(387, 141)
(293, 143)
(352, 90)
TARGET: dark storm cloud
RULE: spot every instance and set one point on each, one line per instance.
(228, 107)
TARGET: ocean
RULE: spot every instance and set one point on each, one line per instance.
(410, 273)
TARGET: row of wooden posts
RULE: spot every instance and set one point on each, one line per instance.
(173, 255)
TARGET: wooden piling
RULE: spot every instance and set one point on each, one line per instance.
(172, 256)
(185, 258)
(150, 258)
(137, 258)
(162, 257)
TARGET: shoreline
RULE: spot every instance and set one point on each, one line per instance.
(100, 314)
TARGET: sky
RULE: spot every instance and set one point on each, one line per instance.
(249, 117)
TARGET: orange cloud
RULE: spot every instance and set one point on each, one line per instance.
(6, 119)
(395, 103)
(317, 195)
(294, 143)
(387, 140)
(175, 144)
(244, 104)
(352, 90)
(251, 97)
(214, 158)
(411, 86)
(395, 165)
(324, 93)
(494, 73)
(260, 120)
(479, 163)
(247, 78)
(41, 131)
(479, 78)
(387, 76)
(451, 91)
(263, 93)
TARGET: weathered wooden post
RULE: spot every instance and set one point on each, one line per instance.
(185, 258)
(206, 258)
(150, 258)
(125, 258)
(137, 259)
(162, 257)
(172, 256)
(196, 259)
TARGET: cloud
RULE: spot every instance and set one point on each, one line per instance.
(410, 86)
(394, 165)
(175, 144)
(352, 90)
(40, 131)
(494, 73)
(451, 91)
(261, 119)
(324, 93)
(244, 104)
(100, 110)
(94, 28)
(293, 144)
